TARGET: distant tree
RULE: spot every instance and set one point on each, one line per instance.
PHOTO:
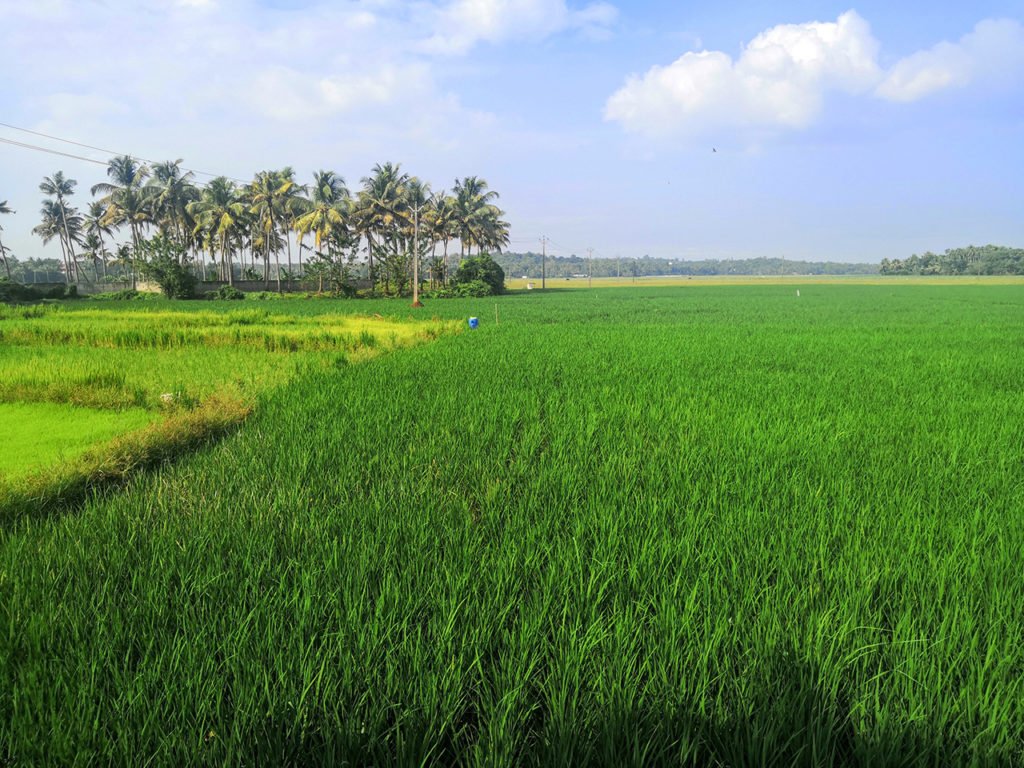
(269, 196)
(95, 227)
(170, 190)
(61, 222)
(59, 219)
(484, 269)
(970, 260)
(162, 260)
(379, 209)
(217, 213)
(326, 213)
(125, 196)
(442, 223)
(474, 212)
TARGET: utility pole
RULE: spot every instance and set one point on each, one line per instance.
(416, 256)
(424, 202)
(590, 268)
(618, 265)
(543, 262)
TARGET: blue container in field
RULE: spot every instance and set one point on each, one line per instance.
(474, 322)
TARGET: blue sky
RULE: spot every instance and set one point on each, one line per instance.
(842, 132)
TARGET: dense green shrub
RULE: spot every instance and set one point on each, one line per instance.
(482, 269)
(472, 289)
(11, 291)
(227, 293)
(128, 294)
(163, 261)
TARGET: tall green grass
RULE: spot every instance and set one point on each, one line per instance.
(722, 526)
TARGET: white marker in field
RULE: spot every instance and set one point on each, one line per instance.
(798, 292)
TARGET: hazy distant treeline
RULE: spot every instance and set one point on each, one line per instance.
(972, 260)
(529, 264)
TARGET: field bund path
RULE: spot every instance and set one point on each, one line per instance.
(712, 525)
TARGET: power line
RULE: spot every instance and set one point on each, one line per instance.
(58, 138)
(50, 151)
(97, 149)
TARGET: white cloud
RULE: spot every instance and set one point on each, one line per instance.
(993, 52)
(461, 24)
(286, 94)
(779, 79)
(782, 78)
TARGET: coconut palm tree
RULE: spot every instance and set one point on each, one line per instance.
(380, 203)
(96, 227)
(64, 223)
(218, 212)
(126, 198)
(327, 192)
(269, 199)
(442, 223)
(326, 213)
(4, 208)
(472, 197)
(488, 230)
(92, 247)
(170, 191)
(60, 188)
(294, 204)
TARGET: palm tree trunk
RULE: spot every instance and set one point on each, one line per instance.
(369, 261)
(64, 255)
(64, 222)
(288, 241)
(7, 265)
(103, 254)
(226, 259)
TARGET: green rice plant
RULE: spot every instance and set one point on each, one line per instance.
(658, 526)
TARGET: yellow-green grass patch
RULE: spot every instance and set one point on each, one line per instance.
(114, 460)
(39, 435)
(186, 374)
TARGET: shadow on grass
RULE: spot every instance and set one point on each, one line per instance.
(792, 723)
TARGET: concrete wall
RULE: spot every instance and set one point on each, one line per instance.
(256, 286)
(202, 288)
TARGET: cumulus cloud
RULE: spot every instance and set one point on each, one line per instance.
(779, 79)
(782, 77)
(993, 52)
(461, 24)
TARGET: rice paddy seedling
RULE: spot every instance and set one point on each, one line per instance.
(658, 526)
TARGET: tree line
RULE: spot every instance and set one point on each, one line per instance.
(530, 264)
(384, 231)
(972, 260)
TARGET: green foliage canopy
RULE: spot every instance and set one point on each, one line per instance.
(484, 269)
